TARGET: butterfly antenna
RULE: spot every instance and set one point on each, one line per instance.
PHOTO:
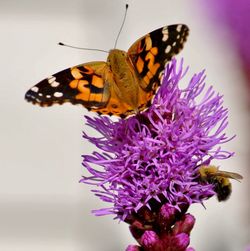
(80, 48)
(126, 10)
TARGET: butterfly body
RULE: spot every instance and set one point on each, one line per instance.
(125, 81)
(123, 85)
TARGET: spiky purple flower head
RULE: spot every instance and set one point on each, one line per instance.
(148, 163)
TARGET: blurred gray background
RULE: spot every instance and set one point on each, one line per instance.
(42, 205)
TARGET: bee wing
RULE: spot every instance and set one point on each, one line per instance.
(229, 175)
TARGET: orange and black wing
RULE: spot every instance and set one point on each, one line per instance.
(150, 53)
(83, 84)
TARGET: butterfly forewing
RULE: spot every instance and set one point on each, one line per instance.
(150, 53)
(83, 84)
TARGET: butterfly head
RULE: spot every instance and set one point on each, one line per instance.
(119, 64)
(116, 56)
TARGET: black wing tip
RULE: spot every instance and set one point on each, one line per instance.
(184, 29)
(31, 97)
(184, 26)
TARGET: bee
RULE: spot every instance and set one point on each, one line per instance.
(220, 180)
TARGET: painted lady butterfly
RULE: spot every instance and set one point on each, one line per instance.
(123, 85)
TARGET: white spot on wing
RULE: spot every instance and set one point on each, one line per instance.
(55, 84)
(40, 94)
(178, 28)
(165, 34)
(48, 96)
(58, 94)
(34, 89)
(168, 49)
(51, 79)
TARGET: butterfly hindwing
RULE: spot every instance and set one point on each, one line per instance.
(83, 84)
(150, 53)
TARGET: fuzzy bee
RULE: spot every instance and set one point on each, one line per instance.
(220, 180)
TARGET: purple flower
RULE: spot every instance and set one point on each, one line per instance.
(147, 167)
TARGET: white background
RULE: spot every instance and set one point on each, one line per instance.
(42, 205)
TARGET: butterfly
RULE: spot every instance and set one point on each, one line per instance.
(123, 85)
